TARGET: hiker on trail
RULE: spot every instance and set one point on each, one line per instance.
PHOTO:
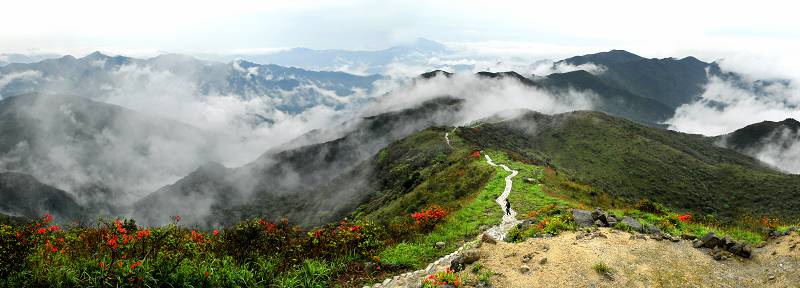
(508, 207)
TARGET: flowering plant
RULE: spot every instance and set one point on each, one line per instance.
(448, 277)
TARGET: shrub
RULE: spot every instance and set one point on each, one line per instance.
(447, 277)
(428, 218)
(602, 268)
(645, 205)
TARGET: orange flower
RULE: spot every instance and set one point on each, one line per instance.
(685, 218)
(102, 265)
(136, 264)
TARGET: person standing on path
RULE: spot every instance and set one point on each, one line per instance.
(508, 207)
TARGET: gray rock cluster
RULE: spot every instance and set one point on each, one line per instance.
(723, 248)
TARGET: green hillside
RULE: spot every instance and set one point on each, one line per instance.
(630, 162)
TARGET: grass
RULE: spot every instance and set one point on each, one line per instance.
(602, 268)
(630, 161)
(460, 225)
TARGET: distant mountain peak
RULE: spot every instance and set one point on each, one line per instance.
(96, 55)
(604, 58)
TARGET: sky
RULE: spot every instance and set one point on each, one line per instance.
(706, 29)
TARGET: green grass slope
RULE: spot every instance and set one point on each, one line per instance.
(630, 161)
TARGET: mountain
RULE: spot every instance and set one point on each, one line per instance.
(630, 161)
(8, 58)
(312, 185)
(369, 62)
(612, 100)
(775, 143)
(766, 132)
(98, 76)
(22, 195)
(673, 82)
(103, 154)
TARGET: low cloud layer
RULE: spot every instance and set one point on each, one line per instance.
(754, 95)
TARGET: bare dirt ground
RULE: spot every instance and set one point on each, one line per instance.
(637, 263)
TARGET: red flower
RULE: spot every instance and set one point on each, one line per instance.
(102, 265)
(136, 264)
(143, 233)
(113, 242)
(41, 230)
(685, 218)
(177, 218)
(53, 228)
(476, 154)
(48, 217)
(206, 274)
(216, 232)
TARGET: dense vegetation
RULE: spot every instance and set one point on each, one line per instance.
(631, 162)
(427, 192)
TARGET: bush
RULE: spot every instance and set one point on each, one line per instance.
(645, 205)
(447, 277)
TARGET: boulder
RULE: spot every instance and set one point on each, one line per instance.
(583, 218)
(465, 258)
(741, 249)
(711, 240)
(440, 245)
(635, 225)
(650, 229)
(611, 220)
(599, 215)
(486, 238)
(688, 237)
(697, 243)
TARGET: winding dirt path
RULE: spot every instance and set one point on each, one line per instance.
(509, 219)
(414, 279)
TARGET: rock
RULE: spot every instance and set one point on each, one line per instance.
(741, 249)
(656, 237)
(547, 235)
(531, 180)
(648, 228)
(599, 215)
(762, 244)
(524, 269)
(728, 242)
(440, 245)
(674, 239)
(599, 223)
(635, 225)
(711, 240)
(527, 258)
(583, 218)
(688, 237)
(445, 286)
(697, 243)
(486, 238)
(385, 282)
(770, 276)
(611, 220)
(465, 258)
(543, 261)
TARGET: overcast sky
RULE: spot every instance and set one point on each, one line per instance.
(707, 29)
